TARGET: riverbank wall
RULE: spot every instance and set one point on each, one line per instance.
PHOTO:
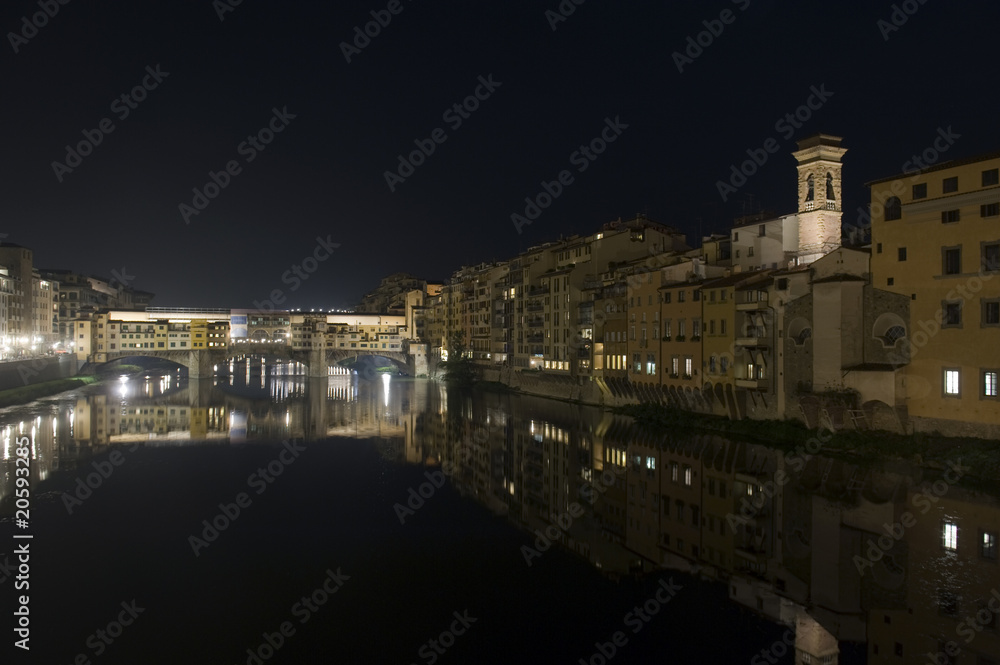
(22, 373)
(830, 411)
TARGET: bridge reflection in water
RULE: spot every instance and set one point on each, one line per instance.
(859, 562)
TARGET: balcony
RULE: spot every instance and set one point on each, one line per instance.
(753, 340)
(535, 322)
(535, 307)
(535, 291)
(751, 301)
(753, 384)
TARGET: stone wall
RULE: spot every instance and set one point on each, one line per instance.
(20, 373)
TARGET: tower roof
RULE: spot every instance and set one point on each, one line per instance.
(819, 147)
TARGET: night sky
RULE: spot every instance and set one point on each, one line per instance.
(323, 175)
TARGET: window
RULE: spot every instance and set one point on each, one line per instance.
(761, 231)
(651, 463)
(893, 334)
(696, 295)
(688, 365)
(920, 191)
(674, 471)
(893, 209)
(989, 210)
(990, 383)
(952, 382)
(991, 177)
(949, 185)
(749, 251)
(680, 296)
(878, 248)
(988, 545)
(991, 312)
(722, 327)
(991, 257)
(951, 260)
(675, 365)
(901, 253)
(688, 475)
(723, 365)
(949, 216)
(949, 536)
(636, 363)
(666, 297)
(890, 281)
(952, 314)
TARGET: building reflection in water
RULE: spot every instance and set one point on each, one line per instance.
(901, 561)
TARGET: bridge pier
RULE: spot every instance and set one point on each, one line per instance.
(318, 367)
(199, 365)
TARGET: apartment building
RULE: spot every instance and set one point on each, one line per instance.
(936, 240)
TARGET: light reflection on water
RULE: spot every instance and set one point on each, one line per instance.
(827, 553)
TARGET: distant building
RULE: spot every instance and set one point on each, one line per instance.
(390, 296)
(79, 297)
(32, 322)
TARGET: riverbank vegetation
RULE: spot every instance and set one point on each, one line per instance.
(25, 394)
(980, 457)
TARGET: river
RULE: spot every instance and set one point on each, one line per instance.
(267, 517)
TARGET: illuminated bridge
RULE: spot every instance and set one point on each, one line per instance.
(200, 339)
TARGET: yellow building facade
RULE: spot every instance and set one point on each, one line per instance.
(936, 238)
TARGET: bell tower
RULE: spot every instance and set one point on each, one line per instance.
(819, 203)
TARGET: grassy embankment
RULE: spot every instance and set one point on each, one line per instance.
(30, 393)
(980, 457)
(26, 394)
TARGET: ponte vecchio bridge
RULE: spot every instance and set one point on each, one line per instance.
(200, 339)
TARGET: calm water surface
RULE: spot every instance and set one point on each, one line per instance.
(271, 518)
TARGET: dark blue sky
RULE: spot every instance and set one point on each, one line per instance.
(324, 173)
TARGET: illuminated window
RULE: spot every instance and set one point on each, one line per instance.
(949, 535)
(688, 475)
(952, 382)
(990, 383)
(988, 545)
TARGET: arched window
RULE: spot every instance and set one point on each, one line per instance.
(829, 188)
(893, 209)
(889, 328)
(810, 188)
(799, 330)
(893, 334)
